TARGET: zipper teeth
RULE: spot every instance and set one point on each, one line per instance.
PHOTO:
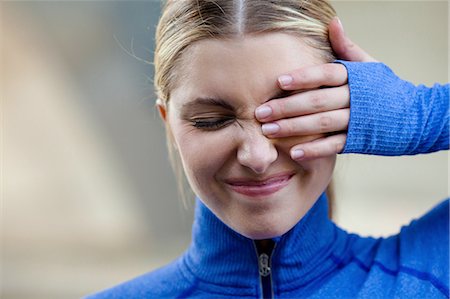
(270, 267)
(270, 264)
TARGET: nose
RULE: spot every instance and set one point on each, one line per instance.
(256, 151)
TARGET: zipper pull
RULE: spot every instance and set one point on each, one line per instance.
(264, 268)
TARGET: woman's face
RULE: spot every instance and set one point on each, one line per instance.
(247, 180)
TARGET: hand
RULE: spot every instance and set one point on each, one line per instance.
(343, 47)
(317, 110)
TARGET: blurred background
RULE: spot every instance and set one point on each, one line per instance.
(88, 198)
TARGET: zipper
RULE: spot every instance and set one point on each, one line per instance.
(264, 251)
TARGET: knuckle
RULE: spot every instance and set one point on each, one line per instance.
(325, 123)
(301, 76)
(317, 102)
(338, 147)
(287, 127)
(340, 142)
(349, 45)
(282, 109)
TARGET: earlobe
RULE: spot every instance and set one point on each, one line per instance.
(161, 109)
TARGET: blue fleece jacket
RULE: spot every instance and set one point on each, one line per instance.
(316, 259)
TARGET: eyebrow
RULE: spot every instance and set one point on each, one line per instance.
(209, 101)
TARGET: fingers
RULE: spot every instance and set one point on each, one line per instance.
(319, 148)
(343, 47)
(287, 143)
(309, 102)
(323, 122)
(330, 74)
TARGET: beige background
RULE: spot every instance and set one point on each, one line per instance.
(87, 196)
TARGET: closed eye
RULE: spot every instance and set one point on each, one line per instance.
(210, 124)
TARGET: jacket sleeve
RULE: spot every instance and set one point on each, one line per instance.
(393, 117)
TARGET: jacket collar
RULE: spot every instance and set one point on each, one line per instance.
(218, 255)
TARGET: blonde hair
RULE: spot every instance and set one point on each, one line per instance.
(184, 22)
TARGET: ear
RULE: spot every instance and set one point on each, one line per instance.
(161, 109)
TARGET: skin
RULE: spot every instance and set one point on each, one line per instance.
(243, 73)
(270, 218)
(326, 109)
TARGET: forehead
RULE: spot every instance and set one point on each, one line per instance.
(240, 68)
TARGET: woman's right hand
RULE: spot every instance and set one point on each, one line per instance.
(318, 110)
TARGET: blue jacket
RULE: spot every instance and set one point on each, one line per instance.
(316, 259)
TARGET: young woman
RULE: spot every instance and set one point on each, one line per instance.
(258, 143)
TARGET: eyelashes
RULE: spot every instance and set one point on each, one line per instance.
(210, 124)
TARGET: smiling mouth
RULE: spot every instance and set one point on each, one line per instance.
(260, 188)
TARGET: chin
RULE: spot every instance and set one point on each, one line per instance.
(269, 223)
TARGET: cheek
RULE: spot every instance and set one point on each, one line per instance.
(203, 154)
(318, 172)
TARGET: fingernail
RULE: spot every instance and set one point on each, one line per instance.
(263, 112)
(297, 154)
(269, 129)
(285, 80)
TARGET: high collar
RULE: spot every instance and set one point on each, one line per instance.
(220, 256)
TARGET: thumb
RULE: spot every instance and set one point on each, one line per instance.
(344, 48)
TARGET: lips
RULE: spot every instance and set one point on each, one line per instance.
(256, 188)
